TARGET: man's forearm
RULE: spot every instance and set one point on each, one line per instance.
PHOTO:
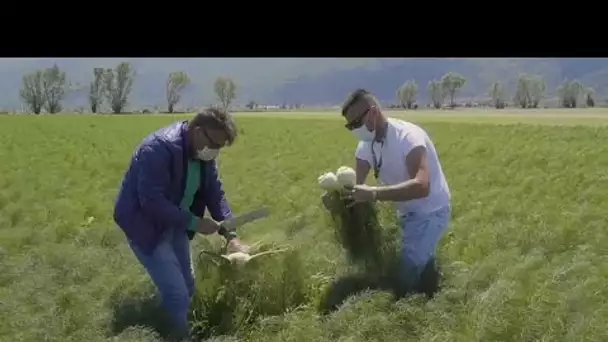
(406, 191)
(362, 169)
(221, 211)
(205, 225)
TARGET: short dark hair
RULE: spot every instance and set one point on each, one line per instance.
(216, 119)
(357, 96)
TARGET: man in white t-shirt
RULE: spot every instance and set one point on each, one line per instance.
(404, 160)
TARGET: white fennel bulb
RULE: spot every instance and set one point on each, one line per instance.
(239, 258)
(328, 181)
(346, 176)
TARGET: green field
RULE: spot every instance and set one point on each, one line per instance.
(524, 259)
(556, 116)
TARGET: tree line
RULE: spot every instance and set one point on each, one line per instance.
(45, 89)
(529, 92)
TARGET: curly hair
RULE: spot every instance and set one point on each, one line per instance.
(216, 119)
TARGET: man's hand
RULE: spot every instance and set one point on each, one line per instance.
(235, 245)
(360, 193)
(207, 226)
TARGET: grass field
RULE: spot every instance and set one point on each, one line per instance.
(524, 259)
(556, 116)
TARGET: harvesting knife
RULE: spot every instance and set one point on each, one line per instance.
(232, 224)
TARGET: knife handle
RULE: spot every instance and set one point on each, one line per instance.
(228, 235)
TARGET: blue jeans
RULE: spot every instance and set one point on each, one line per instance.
(421, 233)
(170, 267)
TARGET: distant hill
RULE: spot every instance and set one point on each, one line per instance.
(309, 81)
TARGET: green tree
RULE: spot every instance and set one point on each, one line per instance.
(498, 95)
(570, 92)
(530, 91)
(589, 94)
(118, 84)
(406, 94)
(436, 93)
(536, 88)
(54, 86)
(451, 83)
(176, 83)
(32, 92)
(225, 90)
(521, 97)
(96, 90)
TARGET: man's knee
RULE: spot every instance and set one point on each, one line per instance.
(411, 266)
(415, 256)
(188, 275)
(176, 298)
(414, 259)
(167, 276)
(418, 276)
(181, 247)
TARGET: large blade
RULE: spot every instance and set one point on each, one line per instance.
(235, 222)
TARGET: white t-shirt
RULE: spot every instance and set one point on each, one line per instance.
(401, 138)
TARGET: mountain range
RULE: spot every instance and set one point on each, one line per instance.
(307, 81)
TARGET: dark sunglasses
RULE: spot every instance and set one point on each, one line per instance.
(358, 122)
(212, 144)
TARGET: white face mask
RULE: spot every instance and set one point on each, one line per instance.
(207, 153)
(363, 134)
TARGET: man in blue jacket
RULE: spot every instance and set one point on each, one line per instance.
(170, 182)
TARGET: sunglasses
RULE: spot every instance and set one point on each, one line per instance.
(212, 144)
(358, 122)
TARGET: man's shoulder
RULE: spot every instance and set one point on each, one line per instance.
(168, 135)
(401, 125)
(404, 129)
(168, 138)
(171, 133)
